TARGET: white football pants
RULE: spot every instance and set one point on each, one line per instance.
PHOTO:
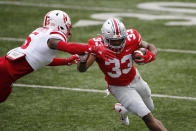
(135, 97)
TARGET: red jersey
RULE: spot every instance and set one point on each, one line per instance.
(120, 71)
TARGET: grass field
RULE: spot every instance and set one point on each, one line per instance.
(36, 109)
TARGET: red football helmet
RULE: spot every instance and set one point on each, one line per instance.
(114, 34)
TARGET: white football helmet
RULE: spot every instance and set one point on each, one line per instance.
(59, 20)
(114, 29)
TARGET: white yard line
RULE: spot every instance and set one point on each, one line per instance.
(60, 88)
(17, 3)
(177, 51)
(98, 91)
(12, 39)
(161, 50)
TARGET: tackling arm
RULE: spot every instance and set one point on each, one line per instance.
(62, 61)
(73, 48)
(76, 48)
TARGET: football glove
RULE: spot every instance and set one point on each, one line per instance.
(148, 57)
(102, 52)
(73, 59)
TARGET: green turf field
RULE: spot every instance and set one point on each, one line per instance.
(173, 73)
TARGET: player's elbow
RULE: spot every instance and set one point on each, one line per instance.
(53, 43)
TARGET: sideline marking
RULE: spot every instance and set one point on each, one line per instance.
(97, 91)
(162, 50)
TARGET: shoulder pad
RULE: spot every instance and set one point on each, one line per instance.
(96, 41)
(58, 34)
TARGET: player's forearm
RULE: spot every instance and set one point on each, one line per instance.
(82, 67)
(58, 62)
(85, 64)
(152, 48)
(149, 46)
(72, 48)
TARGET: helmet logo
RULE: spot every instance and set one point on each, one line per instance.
(64, 18)
(47, 20)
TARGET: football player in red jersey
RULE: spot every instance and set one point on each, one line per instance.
(40, 49)
(123, 79)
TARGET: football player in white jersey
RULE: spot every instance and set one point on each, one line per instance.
(40, 49)
(123, 79)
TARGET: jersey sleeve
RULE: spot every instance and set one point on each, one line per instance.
(58, 35)
(138, 36)
(97, 41)
(91, 42)
(134, 38)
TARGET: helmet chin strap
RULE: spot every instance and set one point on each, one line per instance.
(69, 37)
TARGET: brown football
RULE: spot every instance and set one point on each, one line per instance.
(140, 51)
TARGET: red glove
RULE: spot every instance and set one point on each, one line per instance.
(102, 52)
(73, 59)
(148, 57)
(69, 61)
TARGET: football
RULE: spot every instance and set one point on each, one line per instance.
(140, 51)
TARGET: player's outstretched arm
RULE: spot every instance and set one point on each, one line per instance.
(76, 48)
(73, 48)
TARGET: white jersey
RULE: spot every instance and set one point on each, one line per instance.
(38, 54)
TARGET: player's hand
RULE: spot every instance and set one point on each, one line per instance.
(73, 59)
(103, 53)
(148, 57)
